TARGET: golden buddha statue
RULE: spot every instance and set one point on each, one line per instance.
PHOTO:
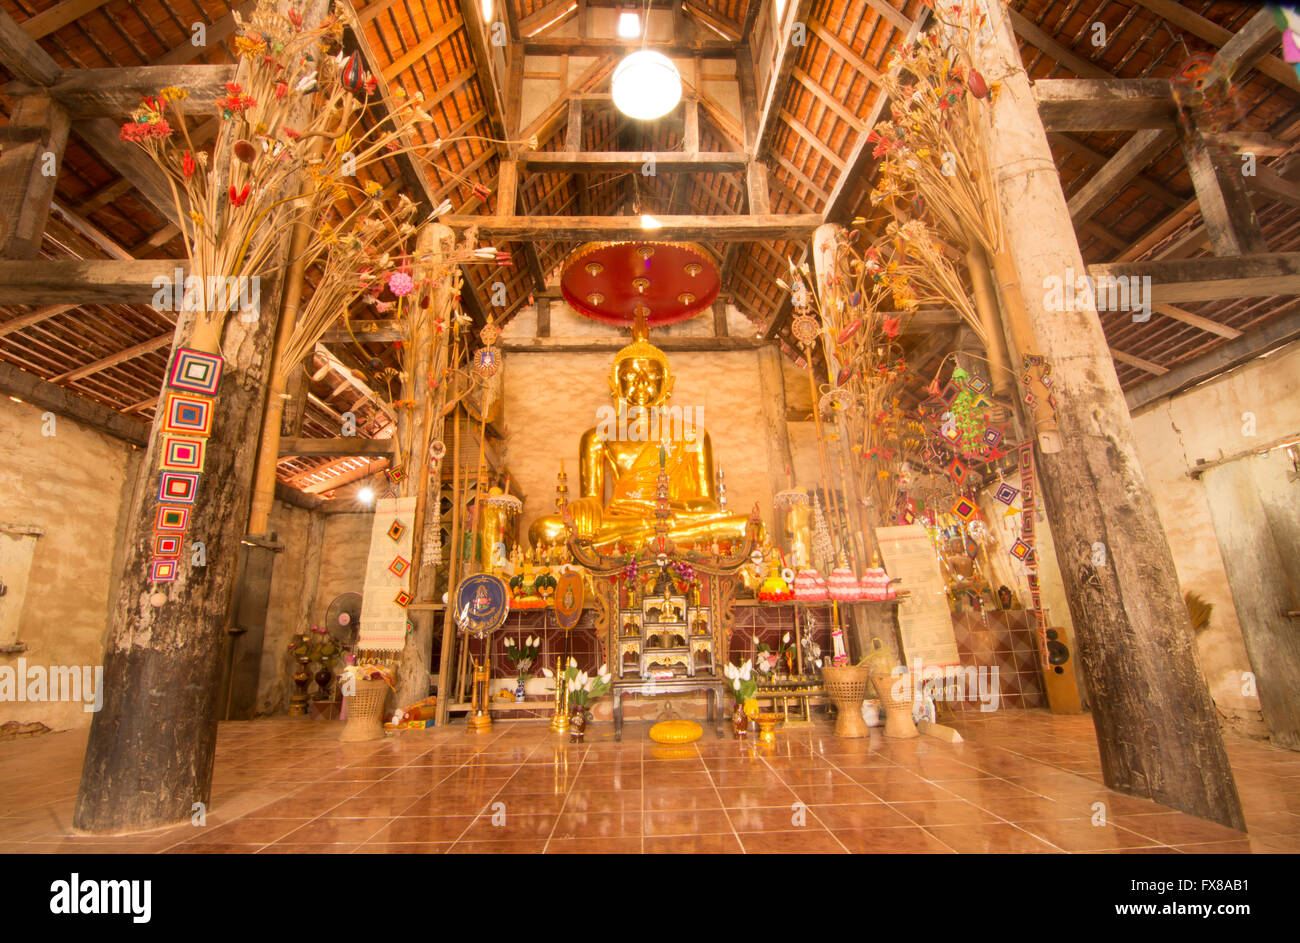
(618, 468)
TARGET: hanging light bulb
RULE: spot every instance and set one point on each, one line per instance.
(646, 85)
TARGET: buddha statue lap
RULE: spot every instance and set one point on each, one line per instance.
(622, 458)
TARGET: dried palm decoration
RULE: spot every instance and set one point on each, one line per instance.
(935, 163)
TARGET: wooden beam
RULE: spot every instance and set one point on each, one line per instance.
(59, 16)
(1221, 194)
(1177, 281)
(422, 48)
(1105, 104)
(26, 185)
(631, 161)
(97, 93)
(589, 228)
(1147, 365)
(1114, 177)
(21, 55)
(103, 135)
(670, 344)
(1030, 31)
(782, 73)
(1271, 185)
(1195, 320)
(84, 281)
(614, 47)
(345, 445)
(1268, 336)
(217, 33)
(1253, 36)
(1144, 183)
(42, 394)
(13, 325)
(840, 204)
(476, 35)
(139, 350)
(827, 99)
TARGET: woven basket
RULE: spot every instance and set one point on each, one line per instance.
(847, 687)
(898, 710)
(365, 712)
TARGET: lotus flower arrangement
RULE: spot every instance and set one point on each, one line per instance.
(742, 687)
(523, 655)
(742, 683)
(583, 691)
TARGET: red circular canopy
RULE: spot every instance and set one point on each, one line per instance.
(608, 281)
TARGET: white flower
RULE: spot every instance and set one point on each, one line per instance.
(736, 684)
(602, 670)
(307, 84)
(605, 678)
(729, 670)
(573, 662)
(785, 639)
(548, 672)
(746, 671)
(756, 641)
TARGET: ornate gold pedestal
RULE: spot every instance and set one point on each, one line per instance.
(479, 719)
(560, 719)
(767, 727)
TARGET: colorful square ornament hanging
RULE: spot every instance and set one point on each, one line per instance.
(163, 571)
(403, 599)
(187, 415)
(195, 371)
(181, 454)
(399, 566)
(178, 487)
(172, 519)
(166, 545)
(396, 530)
(1021, 550)
(1006, 494)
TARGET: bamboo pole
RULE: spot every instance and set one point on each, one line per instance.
(268, 450)
(986, 303)
(453, 568)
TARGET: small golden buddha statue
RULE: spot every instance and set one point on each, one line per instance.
(618, 473)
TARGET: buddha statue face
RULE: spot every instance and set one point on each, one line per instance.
(640, 381)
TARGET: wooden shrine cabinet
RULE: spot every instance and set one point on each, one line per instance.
(671, 643)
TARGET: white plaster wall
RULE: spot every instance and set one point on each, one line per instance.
(1206, 423)
(69, 484)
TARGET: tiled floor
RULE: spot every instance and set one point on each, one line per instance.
(1024, 781)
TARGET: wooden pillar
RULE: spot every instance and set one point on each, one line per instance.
(771, 381)
(1253, 507)
(29, 168)
(416, 426)
(1156, 725)
(151, 747)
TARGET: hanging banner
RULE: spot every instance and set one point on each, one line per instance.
(568, 599)
(924, 620)
(482, 601)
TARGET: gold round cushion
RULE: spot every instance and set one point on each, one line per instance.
(676, 731)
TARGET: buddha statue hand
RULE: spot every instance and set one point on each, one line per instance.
(587, 516)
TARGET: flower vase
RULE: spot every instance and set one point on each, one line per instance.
(519, 690)
(301, 678)
(577, 723)
(323, 679)
(740, 721)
